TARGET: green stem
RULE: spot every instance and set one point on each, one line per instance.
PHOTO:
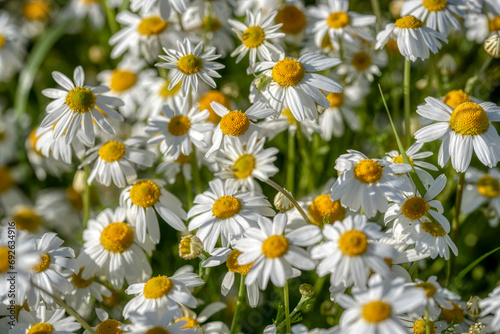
(455, 223)
(189, 191)
(86, 198)
(295, 310)
(196, 173)
(239, 302)
(110, 17)
(308, 178)
(290, 163)
(406, 92)
(286, 299)
(471, 83)
(290, 197)
(378, 14)
(427, 322)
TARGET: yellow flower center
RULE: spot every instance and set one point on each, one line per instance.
(288, 72)
(145, 193)
(80, 99)
(434, 5)
(234, 123)
(190, 322)
(429, 288)
(289, 116)
(165, 93)
(253, 37)
(244, 166)
(44, 263)
(226, 207)
(376, 311)
(353, 243)
(419, 326)
(494, 23)
(2, 41)
(112, 151)
(32, 140)
(368, 171)
(6, 181)
(157, 330)
(454, 313)
(361, 61)
(4, 259)
(190, 64)
(41, 328)
(488, 186)
(469, 119)
(79, 282)
(109, 326)
(179, 125)
(415, 207)
(26, 219)
(322, 206)
(409, 22)
(157, 287)
(214, 96)
(122, 80)
(292, 18)
(211, 23)
(392, 46)
(152, 25)
(338, 20)
(433, 229)
(182, 159)
(232, 263)
(74, 198)
(2, 135)
(275, 246)
(36, 10)
(400, 160)
(336, 100)
(326, 43)
(456, 97)
(117, 237)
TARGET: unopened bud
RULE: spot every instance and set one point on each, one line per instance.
(80, 181)
(477, 328)
(281, 202)
(492, 45)
(447, 64)
(306, 290)
(473, 306)
(190, 247)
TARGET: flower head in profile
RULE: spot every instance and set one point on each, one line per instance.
(480, 189)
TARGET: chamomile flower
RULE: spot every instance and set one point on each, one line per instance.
(413, 38)
(164, 6)
(301, 329)
(77, 106)
(83, 8)
(198, 322)
(491, 304)
(191, 65)
(153, 322)
(85, 289)
(107, 325)
(292, 16)
(41, 142)
(362, 65)
(143, 200)
(431, 238)
(171, 167)
(11, 47)
(259, 35)
(226, 212)
(367, 182)
(206, 99)
(436, 296)
(482, 188)
(159, 94)
(27, 219)
(41, 320)
(465, 129)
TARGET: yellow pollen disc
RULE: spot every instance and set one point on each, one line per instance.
(109, 326)
(376, 311)
(289, 116)
(74, 198)
(41, 328)
(145, 193)
(456, 312)
(80, 99)
(79, 282)
(226, 207)
(419, 326)
(429, 288)
(36, 10)
(292, 18)
(388, 261)
(211, 23)
(275, 246)
(165, 93)
(232, 263)
(415, 207)
(152, 25)
(2, 41)
(326, 43)
(112, 151)
(469, 119)
(182, 159)
(353, 243)
(244, 166)
(157, 287)
(494, 23)
(368, 171)
(190, 64)
(26, 219)
(117, 237)
(33, 139)
(455, 98)
(434, 5)
(4, 259)
(234, 123)
(433, 229)
(409, 22)
(288, 72)
(190, 322)
(336, 100)
(361, 61)
(113, 300)
(253, 37)
(179, 125)
(157, 330)
(122, 80)
(44, 263)
(2, 135)
(322, 206)
(488, 186)
(392, 46)
(6, 181)
(338, 20)
(399, 160)
(214, 96)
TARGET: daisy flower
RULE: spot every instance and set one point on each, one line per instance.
(153, 322)
(85, 289)
(11, 47)
(213, 31)
(291, 80)
(301, 329)
(171, 167)
(83, 8)
(77, 106)
(164, 6)
(376, 310)
(107, 325)
(143, 199)
(482, 188)
(491, 304)
(41, 320)
(413, 38)
(159, 94)
(199, 323)
(190, 65)
(361, 65)
(258, 35)
(226, 212)
(111, 248)
(292, 16)
(41, 141)
(36, 14)
(276, 256)
(465, 129)
(206, 99)
(431, 238)
(367, 182)
(27, 219)
(436, 297)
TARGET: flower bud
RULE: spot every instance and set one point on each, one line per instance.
(306, 290)
(281, 202)
(190, 247)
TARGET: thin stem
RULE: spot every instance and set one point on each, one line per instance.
(471, 83)
(189, 191)
(290, 197)
(239, 302)
(86, 198)
(308, 178)
(110, 17)
(295, 310)
(286, 299)
(455, 223)
(406, 92)
(196, 173)
(427, 322)
(290, 163)
(378, 14)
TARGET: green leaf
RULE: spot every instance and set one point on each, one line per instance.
(471, 266)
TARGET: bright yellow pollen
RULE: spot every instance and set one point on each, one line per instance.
(409, 22)
(226, 207)
(145, 193)
(289, 116)
(234, 123)
(322, 206)
(488, 186)
(80, 99)
(433, 229)
(79, 282)
(179, 125)
(292, 18)
(152, 25)
(429, 288)
(117, 237)
(469, 119)
(419, 326)
(41, 328)
(253, 37)
(392, 46)
(109, 326)
(494, 23)
(211, 23)
(2, 41)
(44, 263)
(338, 20)
(400, 160)
(214, 96)
(275, 246)
(74, 198)
(157, 330)
(190, 64)
(32, 140)
(376, 311)
(456, 97)
(368, 171)
(244, 166)
(36, 10)
(26, 219)
(112, 151)
(165, 93)
(336, 99)
(454, 313)
(326, 43)
(232, 263)
(190, 322)
(182, 159)
(6, 181)
(353, 243)
(361, 61)
(415, 207)
(434, 5)
(122, 80)
(288, 72)
(157, 287)
(4, 259)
